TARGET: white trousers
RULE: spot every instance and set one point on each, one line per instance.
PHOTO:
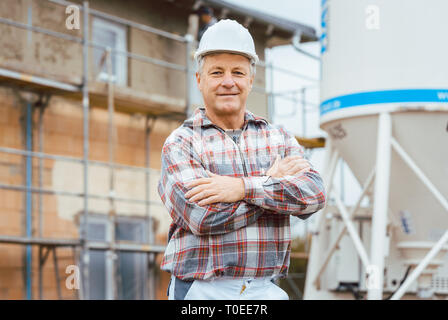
(230, 289)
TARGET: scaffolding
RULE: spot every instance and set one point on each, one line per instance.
(46, 87)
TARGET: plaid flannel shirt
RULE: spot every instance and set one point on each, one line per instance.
(247, 238)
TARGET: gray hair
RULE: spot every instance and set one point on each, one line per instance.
(201, 59)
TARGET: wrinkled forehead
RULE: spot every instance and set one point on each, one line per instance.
(226, 60)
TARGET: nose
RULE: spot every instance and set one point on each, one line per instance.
(228, 81)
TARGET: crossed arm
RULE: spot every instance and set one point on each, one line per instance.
(207, 203)
(218, 188)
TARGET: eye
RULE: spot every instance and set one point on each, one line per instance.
(239, 73)
(216, 72)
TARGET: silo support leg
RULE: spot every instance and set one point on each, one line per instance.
(317, 246)
(423, 178)
(352, 213)
(421, 266)
(375, 272)
(350, 227)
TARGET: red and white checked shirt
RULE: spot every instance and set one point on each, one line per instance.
(247, 238)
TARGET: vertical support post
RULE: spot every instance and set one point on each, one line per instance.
(56, 273)
(29, 35)
(342, 181)
(40, 272)
(312, 282)
(271, 97)
(380, 208)
(40, 217)
(150, 292)
(85, 108)
(111, 270)
(188, 76)
(303, 92)
(75, 250)
(29, 199)
(42, 258)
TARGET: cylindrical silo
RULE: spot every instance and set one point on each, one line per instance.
(390, 58)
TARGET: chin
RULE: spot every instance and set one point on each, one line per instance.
(228, 109)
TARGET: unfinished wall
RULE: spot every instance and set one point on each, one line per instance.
(12, 51)
(12, 208)
(64, 120)
(36, 53)
(157, 79)
(144, 76)
(62, 135)
(60, 59)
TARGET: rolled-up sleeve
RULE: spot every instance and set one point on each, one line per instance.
(300, 195)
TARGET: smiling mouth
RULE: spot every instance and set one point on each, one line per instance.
(227, 94)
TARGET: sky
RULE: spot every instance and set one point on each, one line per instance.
(289, 113)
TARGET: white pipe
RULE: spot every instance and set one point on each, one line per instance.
(380, 208)
(419, 174)
(421, 266)
(296, 44)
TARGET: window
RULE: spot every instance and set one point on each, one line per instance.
(131, 273)
(113, 35)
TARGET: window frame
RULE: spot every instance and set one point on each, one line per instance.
(121, 68)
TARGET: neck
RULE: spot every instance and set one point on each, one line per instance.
(226, 122)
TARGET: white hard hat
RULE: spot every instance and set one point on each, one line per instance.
(227, 36)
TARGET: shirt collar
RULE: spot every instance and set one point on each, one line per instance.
(200, 119)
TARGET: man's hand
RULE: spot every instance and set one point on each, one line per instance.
(216, 188)
(288, 166)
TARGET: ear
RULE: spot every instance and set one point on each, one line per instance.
(251, 81)
(198, 80)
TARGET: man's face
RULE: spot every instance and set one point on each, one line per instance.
(206, 18)
(225, 83)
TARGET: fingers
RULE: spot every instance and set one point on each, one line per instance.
(294, 163)
(197, 182)
(209, 200)
(274, 166)
(288, 165)
(304, 170)
(199, 195)
(291, 158)
(200, 181)
(298, 168)
(211, 174)
(194, 191)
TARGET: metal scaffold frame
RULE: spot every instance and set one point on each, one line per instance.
(83, 245)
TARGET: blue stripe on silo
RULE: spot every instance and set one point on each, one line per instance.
(386, 96)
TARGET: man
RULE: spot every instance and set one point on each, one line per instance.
(206, 20)
(230, 181)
